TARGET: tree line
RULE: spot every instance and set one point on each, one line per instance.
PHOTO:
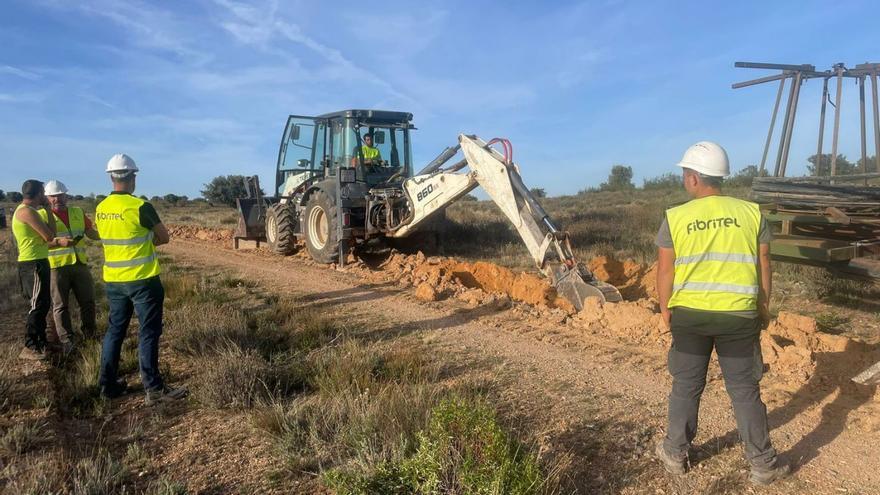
(620, 177)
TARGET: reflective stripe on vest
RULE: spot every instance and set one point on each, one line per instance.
(129, 253)
(369, 152)
(716, 254)
(31, 245)
(60, 256)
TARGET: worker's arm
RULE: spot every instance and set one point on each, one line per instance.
(91, 232)
(33, 220)
(50, 220)
(160, 234)
(766, 276)
(665, 278)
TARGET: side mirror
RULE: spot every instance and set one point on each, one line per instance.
(302, 163)
(379, 137)
(294, 133)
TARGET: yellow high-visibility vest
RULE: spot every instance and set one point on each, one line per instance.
(715, 239)
(63, 256)
(129, 253)
(31, 245)
(369, 152)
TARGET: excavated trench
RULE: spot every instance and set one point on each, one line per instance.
(793, 346)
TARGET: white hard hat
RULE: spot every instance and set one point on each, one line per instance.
(707, 158)
(121, 164)
(55, 187)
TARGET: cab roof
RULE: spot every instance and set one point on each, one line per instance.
(378, 117)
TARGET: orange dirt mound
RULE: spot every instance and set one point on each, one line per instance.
(199, 233)
(475, 283)
(636, 321)
(795, 349)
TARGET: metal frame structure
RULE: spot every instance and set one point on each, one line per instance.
(798, 74)
(822, 234)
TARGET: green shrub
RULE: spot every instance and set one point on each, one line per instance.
(463, 450)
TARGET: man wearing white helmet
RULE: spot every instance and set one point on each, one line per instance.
(70, 270)
(713, 282)
(130, 230)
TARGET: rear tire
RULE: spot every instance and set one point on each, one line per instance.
(322, 239)
(281, 228)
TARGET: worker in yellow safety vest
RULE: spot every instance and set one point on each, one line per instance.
(370, 154)
(70, 270)
(33, 227)
(713, 282)
(130, 230)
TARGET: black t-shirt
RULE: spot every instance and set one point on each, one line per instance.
(147, 215)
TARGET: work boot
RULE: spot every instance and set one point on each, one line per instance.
(114, 390)
(673, 465)
(165, 394)
(32, 354)
(763, 476)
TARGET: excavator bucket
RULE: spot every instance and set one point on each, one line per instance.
(578, 284)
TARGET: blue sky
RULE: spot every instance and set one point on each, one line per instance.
(202, 88)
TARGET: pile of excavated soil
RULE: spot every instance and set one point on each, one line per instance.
(438, 278)
(200, 233)
(797, 351)
(636, 321)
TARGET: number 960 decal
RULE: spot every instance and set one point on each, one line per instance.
(423, 194)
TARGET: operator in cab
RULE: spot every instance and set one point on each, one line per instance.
(370, 153)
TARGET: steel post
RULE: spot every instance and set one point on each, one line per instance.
(876, 121)
(821, 124)
(836, 130)
(772, 125)
(784, 127)
(862, 126)
(794, 105)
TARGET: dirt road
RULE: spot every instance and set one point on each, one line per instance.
(596, 398)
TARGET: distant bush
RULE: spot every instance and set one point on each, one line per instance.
(14, 197)
(743, 178)
(620, 179)
(2, 195)
(225, 189)
(538, 192)
(669, 180)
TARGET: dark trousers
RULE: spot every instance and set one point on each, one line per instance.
(736, 340)
(33, 277)
(145, 298)
(76, 278)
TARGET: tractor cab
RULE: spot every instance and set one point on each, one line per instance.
(316, 148)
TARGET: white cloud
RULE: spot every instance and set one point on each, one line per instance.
(21, 98)
(15, 71)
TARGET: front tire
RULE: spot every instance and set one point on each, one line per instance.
(322, 239)
(281, 228)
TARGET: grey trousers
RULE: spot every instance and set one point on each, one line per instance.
(76, 278)
(736, 340)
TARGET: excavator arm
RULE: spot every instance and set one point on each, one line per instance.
(435, 188)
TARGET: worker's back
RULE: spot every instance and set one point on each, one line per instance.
(715, 239)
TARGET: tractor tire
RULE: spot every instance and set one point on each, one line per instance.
(281, 228)
(319, 227)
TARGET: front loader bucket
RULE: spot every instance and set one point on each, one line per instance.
(251, 222)
(576, 285)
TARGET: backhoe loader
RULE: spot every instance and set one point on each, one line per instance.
(329, 197)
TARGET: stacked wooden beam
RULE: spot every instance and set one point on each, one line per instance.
(817, 194)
